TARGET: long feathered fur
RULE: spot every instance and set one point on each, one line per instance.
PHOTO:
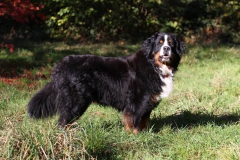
(42, 104)
(132, 84)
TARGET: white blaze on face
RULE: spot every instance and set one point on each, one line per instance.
(165, 45)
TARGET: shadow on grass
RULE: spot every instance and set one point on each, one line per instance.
(187, 119)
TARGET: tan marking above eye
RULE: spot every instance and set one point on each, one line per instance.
(161, 42)
(170, 42)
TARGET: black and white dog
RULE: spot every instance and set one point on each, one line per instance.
(133, 84)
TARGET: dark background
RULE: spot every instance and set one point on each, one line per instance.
(204, 21)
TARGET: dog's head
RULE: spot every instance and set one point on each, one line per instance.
(164, 49)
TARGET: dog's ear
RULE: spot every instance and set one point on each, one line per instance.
(180, 48)
(149, 45)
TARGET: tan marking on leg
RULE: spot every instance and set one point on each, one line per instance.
(135, 131)
(128, 121)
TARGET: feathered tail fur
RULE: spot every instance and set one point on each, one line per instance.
(42, 104)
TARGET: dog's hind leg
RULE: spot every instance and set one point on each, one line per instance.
(71, 103)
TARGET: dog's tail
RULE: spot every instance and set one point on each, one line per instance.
(42, 104)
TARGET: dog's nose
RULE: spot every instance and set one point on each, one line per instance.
(166, 48)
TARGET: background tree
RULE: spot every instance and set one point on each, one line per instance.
(101, 20)
(15, 17)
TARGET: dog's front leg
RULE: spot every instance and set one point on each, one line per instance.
(135, 122)
(128, 119)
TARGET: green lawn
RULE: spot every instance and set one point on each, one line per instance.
(200, 120)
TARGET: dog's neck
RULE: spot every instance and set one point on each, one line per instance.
(165, 71)
(166, 76)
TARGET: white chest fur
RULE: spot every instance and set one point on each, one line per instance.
(167, 78)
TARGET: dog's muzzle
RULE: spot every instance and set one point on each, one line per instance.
(166, 53)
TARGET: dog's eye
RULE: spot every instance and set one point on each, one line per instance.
(161, 42)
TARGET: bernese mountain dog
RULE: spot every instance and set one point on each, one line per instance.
(133, 84)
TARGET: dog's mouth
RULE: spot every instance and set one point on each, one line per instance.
(165, 58)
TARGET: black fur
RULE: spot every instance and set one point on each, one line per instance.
(126, 83)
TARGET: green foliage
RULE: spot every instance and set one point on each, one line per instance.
(115, 19)
(195, 20)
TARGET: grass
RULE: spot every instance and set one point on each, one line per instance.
(200, 120)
